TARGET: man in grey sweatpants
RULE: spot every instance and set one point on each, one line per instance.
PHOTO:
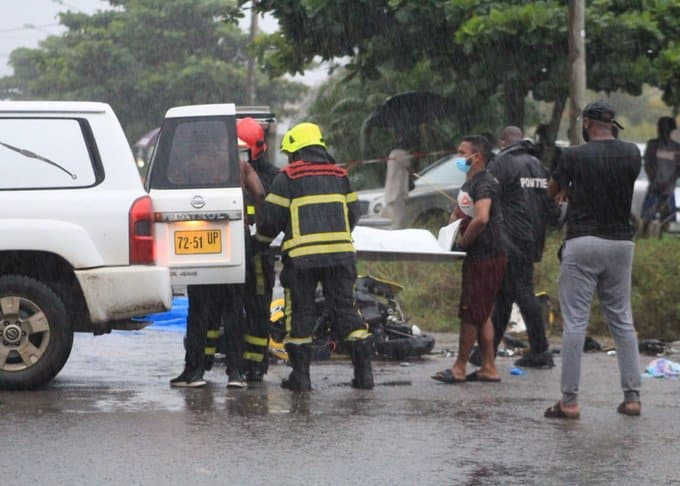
(597, 179)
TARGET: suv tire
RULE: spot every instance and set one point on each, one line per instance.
(36, 335)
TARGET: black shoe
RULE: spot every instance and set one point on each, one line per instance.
(235, 380)
(475, 357)
(361, 359)
(254, 373)
(536, 360)
(299, 357)
(188, 379)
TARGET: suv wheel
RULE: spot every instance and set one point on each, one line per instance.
(35, 335)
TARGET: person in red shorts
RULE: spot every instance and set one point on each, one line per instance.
(484, 264)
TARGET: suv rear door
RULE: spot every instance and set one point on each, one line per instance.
(195, 183)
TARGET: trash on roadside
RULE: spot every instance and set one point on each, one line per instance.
(517, 371)
(611, 352)
(405, 364)
(663, 368)
(505, 352)
(652, 347)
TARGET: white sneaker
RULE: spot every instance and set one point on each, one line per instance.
(236, 381)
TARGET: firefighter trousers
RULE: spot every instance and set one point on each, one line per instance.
(256, 301)
(337, 283)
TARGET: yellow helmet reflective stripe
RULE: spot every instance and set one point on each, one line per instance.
(300, 136)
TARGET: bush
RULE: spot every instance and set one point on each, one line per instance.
(431, 293)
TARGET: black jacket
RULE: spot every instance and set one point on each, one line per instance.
(525, 173)
(312, 202)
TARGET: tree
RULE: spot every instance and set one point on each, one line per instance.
(480, 48)
(143, 56)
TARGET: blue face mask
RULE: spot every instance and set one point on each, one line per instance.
(462, 164)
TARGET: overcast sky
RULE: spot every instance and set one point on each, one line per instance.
(24, 23)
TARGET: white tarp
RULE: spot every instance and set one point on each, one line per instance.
(406, 244)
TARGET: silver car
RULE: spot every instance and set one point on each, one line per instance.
(428, 205)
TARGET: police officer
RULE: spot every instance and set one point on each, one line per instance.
(312, 202)
(259, 260)
(526, 212)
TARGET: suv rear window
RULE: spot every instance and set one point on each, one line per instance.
(45, 153)
(196, 152)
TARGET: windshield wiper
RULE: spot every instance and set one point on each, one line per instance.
(33, 155)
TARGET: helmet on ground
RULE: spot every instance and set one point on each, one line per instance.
(300, 136)
(252, 133)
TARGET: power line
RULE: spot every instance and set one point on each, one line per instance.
(28, 27)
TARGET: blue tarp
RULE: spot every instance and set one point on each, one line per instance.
(173, 320)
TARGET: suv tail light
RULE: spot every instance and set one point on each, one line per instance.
(141, 232)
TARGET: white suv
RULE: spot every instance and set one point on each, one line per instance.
(77, 251)
(194, 180)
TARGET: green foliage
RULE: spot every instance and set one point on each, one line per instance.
(480, 48)
(431, 293)
(143, 57)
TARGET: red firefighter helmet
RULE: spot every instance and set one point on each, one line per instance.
(252, 133)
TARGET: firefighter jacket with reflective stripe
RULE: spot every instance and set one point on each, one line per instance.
(315, 207)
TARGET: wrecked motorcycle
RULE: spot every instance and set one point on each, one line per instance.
(393, 337)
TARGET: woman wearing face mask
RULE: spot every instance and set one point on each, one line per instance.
(484, 264)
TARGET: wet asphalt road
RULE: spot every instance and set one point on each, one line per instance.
(111, 418)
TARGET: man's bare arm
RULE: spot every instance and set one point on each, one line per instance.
(478, 223)
(250, 181)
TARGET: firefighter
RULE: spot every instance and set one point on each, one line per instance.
(259, 259)
(312, 202)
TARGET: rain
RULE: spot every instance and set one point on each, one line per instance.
(447, 119)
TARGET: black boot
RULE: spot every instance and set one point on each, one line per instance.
(361, 359)
(299, 356)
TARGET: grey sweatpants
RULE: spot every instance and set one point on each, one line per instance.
(590, 263)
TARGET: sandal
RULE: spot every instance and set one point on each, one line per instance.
(556, 411)
(475, 376)
(447, 376)
(630, 408)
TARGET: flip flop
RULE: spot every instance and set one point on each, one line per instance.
(446, 376)
(474, 376)
(557, 412)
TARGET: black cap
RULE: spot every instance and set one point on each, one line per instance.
(601, 111)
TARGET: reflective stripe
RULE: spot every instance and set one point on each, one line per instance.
(314, 199)
(316, 238)
(352, 196)
(213, 333)
(278, 200)
(287, 311)
(209, 350)
(259, 275)
(256, 341)
(322, 249)
(251, 209)
(290, 340)
(258, 357)
(262, 238)
(358, 335)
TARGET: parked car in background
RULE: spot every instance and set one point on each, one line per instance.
(428, 205)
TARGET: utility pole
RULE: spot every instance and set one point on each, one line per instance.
(251, 57)
(577, 67)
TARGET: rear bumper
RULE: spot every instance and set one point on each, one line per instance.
(116, 293)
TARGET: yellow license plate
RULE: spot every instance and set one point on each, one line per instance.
(198, 242)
